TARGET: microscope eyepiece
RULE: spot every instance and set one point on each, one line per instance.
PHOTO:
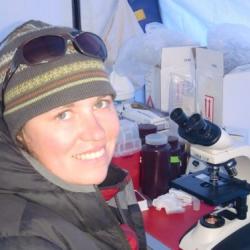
(195, 129)
(179, 117)
(196, 122)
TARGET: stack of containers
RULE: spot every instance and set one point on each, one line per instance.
(127, 151)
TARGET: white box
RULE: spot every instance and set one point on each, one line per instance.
(236, 99)
(209, 83)
(201, 70)
(176, 62)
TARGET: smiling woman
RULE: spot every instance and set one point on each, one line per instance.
(79, 145)
(58, 131)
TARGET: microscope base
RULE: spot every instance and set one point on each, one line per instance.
(234, 234)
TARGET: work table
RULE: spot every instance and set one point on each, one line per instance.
(169, 229)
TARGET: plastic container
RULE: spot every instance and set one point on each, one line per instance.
(184, 157)
(155, 174)
(128, 141)
(175, 160)
(179, 156)
(128, 149)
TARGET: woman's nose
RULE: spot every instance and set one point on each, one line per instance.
(92, 128)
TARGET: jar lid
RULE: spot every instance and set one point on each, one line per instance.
(173, 141)
(146, 129)
(156, 139)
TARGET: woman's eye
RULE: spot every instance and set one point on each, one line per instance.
(63, 115)
(101, 104)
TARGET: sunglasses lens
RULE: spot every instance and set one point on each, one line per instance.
(44, 48)
(91, 44)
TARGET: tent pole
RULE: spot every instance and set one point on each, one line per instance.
(76, 14)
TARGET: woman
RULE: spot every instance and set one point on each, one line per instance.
(58, 131)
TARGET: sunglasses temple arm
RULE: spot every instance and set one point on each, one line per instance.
(10, 72)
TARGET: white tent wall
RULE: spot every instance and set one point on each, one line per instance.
(15, 12)
(113, 20)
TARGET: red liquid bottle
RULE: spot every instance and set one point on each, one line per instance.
(184, 157)
(155, 174)
(175, 161)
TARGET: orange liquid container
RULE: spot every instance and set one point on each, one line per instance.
(155, 173)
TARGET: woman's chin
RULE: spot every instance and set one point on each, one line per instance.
(91, 174)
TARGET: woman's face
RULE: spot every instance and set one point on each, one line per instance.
(75, 141)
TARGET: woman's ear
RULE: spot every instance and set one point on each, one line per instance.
(20, 141)
(19, 137)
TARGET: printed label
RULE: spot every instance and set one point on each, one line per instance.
(175, 159)
(209, 108)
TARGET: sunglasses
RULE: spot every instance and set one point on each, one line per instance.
(44, 49)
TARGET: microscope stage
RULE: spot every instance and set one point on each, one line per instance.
(226, 191)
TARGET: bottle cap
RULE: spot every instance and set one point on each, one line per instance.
(156, 139)
(173, 141)
(146, 129)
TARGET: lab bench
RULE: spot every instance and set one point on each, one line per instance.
(165, 231)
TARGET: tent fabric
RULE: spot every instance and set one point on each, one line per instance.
(113, 20)
(195, 18)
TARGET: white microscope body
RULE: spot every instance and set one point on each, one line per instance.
(219, 184)
(205, 238)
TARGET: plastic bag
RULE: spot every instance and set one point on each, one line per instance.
(234, 41)
(143, 51)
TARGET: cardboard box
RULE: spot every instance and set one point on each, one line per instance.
(192, 78)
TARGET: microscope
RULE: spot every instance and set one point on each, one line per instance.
(224, 183)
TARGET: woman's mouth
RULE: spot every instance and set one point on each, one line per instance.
(90, 155)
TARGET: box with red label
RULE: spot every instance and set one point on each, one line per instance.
(209, 83)
(192, 78)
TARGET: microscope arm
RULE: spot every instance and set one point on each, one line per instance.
(219, 156)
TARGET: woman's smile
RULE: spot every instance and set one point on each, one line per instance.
(90, 155)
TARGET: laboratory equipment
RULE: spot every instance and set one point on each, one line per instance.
(141, 114)
(127, 108)
(224, 183)
(127, 150)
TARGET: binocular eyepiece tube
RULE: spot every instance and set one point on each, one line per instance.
(195, 129)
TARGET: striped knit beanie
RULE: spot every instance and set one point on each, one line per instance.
(36, 89)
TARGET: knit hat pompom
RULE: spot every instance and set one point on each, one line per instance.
(36, 89)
